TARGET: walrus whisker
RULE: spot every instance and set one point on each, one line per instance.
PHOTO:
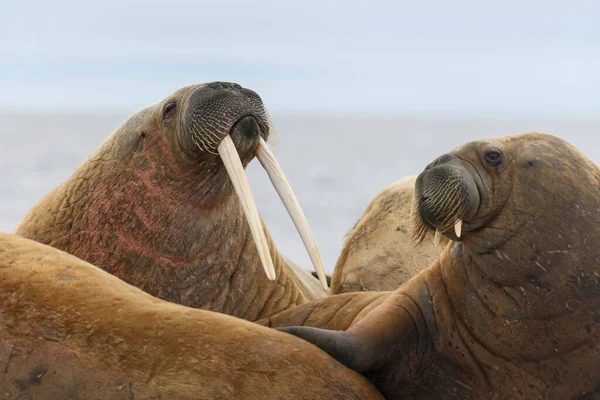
(211, 137)
(209, 149)
(212, 129)
(236, 172)
(418, 227)
(437, 238)
(201, 132)
(199, 143)
(284, 190)
(447, 203)
(273, 138)
(198, 140)
(214, 138)
(441, 200)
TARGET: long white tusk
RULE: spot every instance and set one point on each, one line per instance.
(284, 190)
(236, 172)
(458, 227)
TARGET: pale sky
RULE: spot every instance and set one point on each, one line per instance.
(384, 57)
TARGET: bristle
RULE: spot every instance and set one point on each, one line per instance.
(273, 140)
(447, 202)
(418, 228)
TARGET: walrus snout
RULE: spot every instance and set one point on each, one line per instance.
(445, 195)
(230, 121)
(213, 110)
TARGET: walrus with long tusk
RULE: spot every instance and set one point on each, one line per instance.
(379, 253)
(511, 309)
(69, 330)
(165, 205)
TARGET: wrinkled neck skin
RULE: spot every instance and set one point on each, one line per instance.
(451, 332)
(446, 334)
(512, 311)
(541, 276)
(521, 309)
(134, 212)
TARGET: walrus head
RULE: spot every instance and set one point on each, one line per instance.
(219, 128)
(164, 204)
(209, 113)
(452, 194)
(519, 282)
(519, 205)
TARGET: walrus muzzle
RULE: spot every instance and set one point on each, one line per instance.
(219, 111)
(445, 195)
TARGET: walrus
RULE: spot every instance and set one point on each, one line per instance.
(379, 253)
(69, 330)
(511, 309)
(164, 204)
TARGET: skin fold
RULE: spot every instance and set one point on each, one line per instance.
(511, 309)
(154, 206)
(379, 253)
(69, 330)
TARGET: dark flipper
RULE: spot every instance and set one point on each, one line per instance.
(327, 277)
(390, 339)
(344, 347)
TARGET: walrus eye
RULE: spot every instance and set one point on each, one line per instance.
(494, 158)
(168, 110)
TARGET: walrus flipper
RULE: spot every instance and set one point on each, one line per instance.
(391, 333)
(350, 350)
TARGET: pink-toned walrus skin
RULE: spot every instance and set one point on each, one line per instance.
(154, 205)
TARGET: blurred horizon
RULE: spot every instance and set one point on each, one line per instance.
(336, 165)
(515, 58)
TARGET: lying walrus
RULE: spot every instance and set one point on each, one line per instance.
(511, 309)
(69, 330)
(155, 205)
(379, 253)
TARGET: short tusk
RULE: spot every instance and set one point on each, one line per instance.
(284, 190)
(238, 177)
(458, 227)
(437, 238)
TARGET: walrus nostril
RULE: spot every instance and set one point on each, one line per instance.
(225, 85)
(440, 160)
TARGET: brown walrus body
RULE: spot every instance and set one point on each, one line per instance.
(154, 206)
(512, 308)
(69, 330)
(379, 253)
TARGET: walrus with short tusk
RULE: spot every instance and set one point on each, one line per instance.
(156, 205)
(69, 330)
(512, 307)
(379, 253)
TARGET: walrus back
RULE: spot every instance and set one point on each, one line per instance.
(69, 329)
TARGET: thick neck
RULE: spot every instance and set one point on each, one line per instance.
(137, 220)
(506, 313)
